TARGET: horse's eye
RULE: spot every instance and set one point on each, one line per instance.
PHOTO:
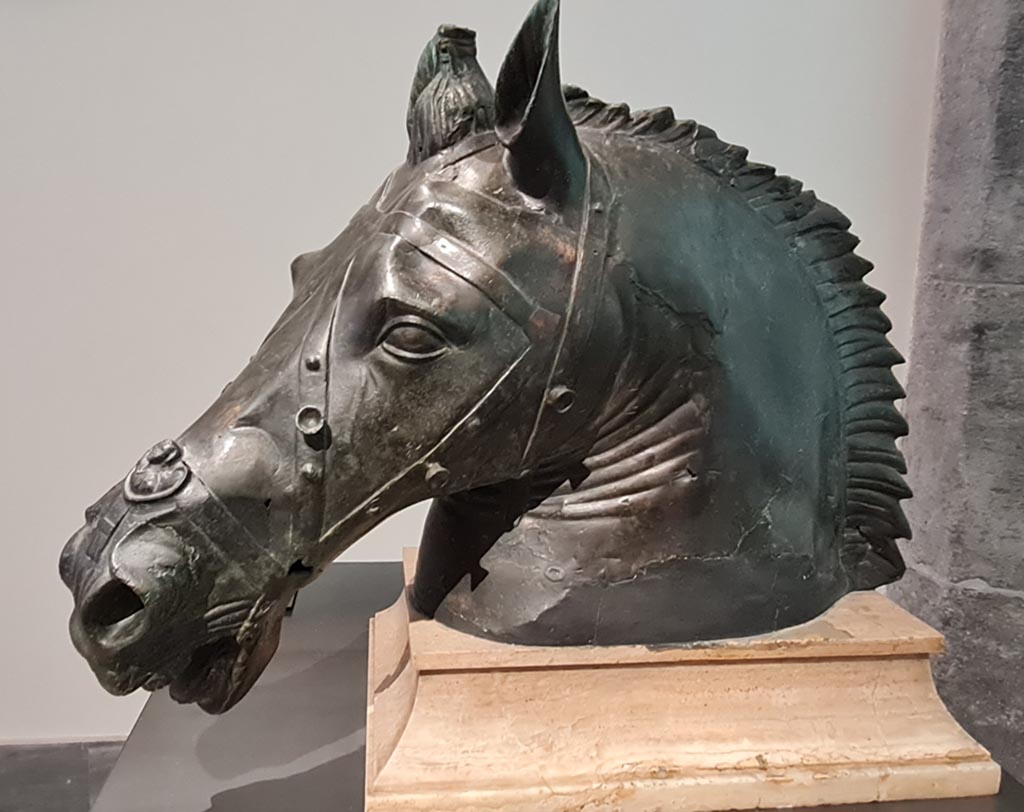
(413, 339)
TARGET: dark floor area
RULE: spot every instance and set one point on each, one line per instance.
(54, 777)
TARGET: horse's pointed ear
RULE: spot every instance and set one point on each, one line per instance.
(544, 155)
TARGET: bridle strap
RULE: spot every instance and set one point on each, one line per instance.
(312, 429)
(469, 266)
(566, 374)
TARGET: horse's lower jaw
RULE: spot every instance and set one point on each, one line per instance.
(220, 673)
(206, 680)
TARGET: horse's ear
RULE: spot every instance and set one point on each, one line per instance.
(544, 155)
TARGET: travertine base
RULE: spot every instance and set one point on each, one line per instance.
(839, 710)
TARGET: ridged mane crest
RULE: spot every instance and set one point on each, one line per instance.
(451, 97)
(819, 234)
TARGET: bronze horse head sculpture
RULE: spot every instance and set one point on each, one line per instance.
(639, 376)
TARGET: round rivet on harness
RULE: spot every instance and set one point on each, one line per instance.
(309, 420)
(561, 398)
(437, 476)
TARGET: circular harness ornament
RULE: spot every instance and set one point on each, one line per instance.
(160, 473)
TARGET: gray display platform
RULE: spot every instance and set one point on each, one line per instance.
(295, 743)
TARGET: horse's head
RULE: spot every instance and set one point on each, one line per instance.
(409, 339)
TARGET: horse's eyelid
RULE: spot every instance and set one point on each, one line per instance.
(452, 333)
(410, 320)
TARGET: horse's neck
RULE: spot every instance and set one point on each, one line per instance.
(606, 514)
(647, 466)
(650, 444)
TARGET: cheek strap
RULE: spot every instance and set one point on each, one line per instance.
(312, 429)
(575, 364)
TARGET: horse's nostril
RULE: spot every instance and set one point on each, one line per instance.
(114, 602)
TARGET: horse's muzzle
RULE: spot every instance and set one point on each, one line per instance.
(130, 577)
(158, 600)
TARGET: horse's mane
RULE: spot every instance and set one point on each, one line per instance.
(819, 235)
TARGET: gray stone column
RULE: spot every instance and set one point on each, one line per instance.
(966, 379)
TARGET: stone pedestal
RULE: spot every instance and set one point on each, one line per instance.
(839, 710)
(966, 379)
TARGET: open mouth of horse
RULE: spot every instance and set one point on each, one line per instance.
(207, 679)
(215, 675)
(221, 672)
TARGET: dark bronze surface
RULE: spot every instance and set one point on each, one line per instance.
(639, 376)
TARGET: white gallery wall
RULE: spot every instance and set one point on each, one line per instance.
(162, 162)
